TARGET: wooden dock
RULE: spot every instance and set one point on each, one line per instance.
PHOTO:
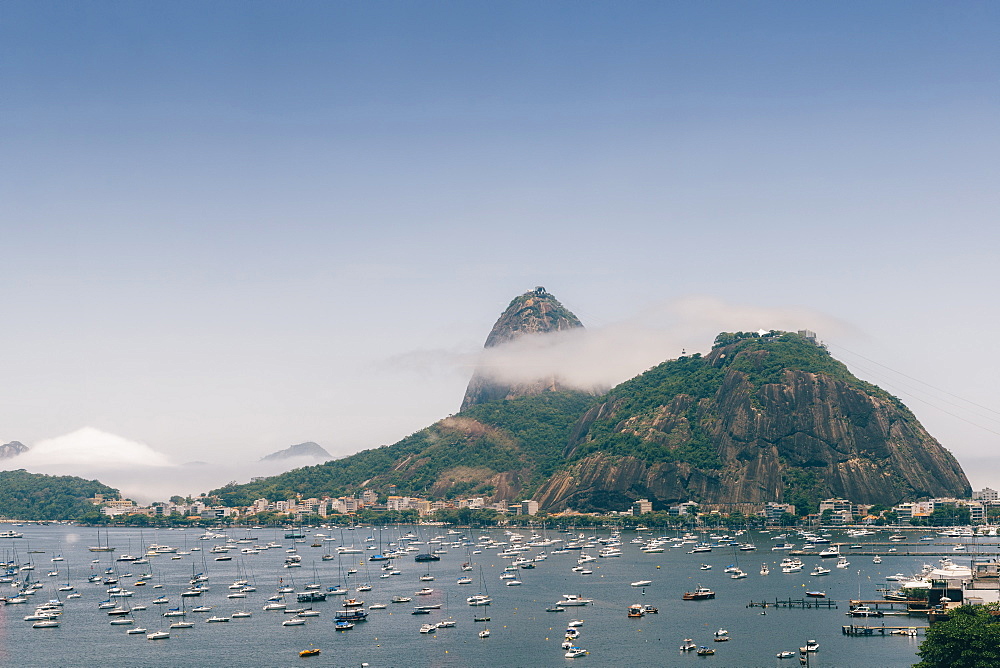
(882, 630)
(801, 603)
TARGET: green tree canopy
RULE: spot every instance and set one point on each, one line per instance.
(970, 638)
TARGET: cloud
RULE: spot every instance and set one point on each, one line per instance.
(139, 471)
(88, 448)
(601, 357)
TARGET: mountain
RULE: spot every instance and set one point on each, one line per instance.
(760, 418)
(12, 449)
(535, 312)
(767, 416)
(308, 449)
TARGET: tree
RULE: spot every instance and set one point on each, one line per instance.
(970, 638)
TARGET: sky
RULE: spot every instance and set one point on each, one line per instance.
(230, 227)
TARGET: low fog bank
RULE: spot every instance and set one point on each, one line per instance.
(600, 357)
(140, 472)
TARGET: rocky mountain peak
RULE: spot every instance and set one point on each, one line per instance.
(12, 449)
(534, 312)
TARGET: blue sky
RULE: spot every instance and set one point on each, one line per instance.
(232, 226)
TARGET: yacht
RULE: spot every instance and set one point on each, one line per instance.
(574, 600)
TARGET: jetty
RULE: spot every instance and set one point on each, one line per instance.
(865, 630)
(801, 603)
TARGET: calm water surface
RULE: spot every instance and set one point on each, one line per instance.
(522, 633)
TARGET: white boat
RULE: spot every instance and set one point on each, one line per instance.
(485, 633)
(688, 645)
(479, 599)
(428, 628)
(843, 562)
(575, 623)
(877, 560)
(294, 621)
(157, 635)
(574, 652)
(133, 632)
(240, 614)
(764, 570)
(574, 600)
(216, 619)
(464, 581)
(642, 583)
(182, 625)
(819, 570)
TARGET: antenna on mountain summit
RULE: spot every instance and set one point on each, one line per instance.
(539, 290)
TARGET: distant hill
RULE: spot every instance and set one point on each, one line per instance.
(12, 449)
(763, 417)
(34, 496)
(308, 449)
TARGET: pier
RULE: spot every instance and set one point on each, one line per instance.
(801, 603)
(862, 630)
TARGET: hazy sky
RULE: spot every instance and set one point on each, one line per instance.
(228, 227)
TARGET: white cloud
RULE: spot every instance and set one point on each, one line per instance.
(601, 357)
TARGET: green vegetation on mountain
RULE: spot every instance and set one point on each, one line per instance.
(460, 455)
(34, 496)
(759, 418)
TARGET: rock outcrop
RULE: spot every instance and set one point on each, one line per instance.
(751, 423)
(534, 312)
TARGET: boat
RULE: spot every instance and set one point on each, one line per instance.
(575, 623)
(574, 652)
(182, 625)
(706, 567)
(842, 562)
(215, 618)
(240, 614)
(642, 583)
(699, 594)
(133, 632)
(464, 581)
(428, 628)
(816, 594)
(764, 570)
(705, 651)
(635, 611)
(812, 646)
(45, 624)
(574, 600)
(294, 621)
(157, 635)
(830, 552)
(688, 645)
(343, 625)
(485, 633)
(312, 651)
(785, 655)
(722, 635)
(819, 570)
(877, 560)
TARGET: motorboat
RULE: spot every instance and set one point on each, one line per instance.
(574, 600)
(574, 652)
(722, 635)
(642, 583)
(485, 633)
(428, 628)
(294, 621)
(705, 651)
(816, 594)
(819, 570)
(688, 645)
(634, 611)
(785, 655)
(699, 594)
(157, 635)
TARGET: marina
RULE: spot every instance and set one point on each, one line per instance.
(637, 598)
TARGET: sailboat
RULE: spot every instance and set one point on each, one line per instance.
(99, 547)
(483, 597)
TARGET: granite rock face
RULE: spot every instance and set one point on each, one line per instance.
(758, 437)
(534, 312)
